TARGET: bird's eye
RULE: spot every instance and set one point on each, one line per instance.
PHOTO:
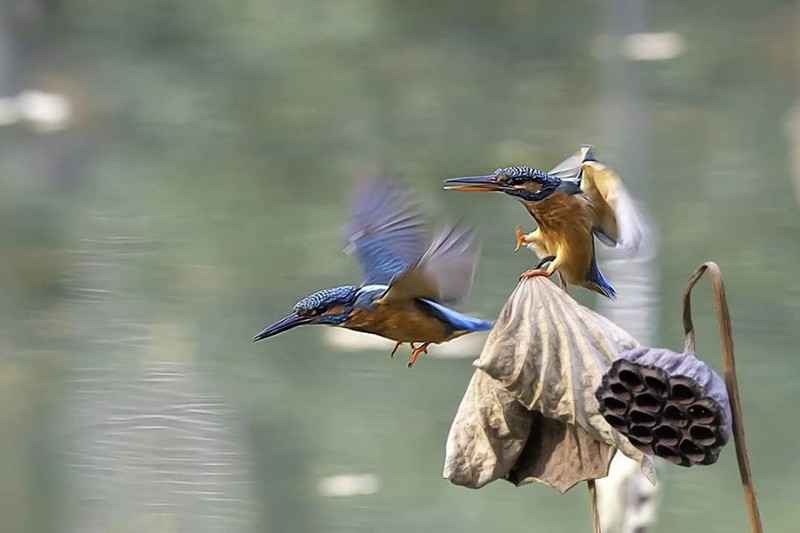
(516, 180)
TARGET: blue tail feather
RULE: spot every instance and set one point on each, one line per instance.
(596, 277)
(457, 321)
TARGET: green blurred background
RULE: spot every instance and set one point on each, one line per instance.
(173, 176)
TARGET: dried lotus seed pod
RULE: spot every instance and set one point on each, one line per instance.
(667, 404)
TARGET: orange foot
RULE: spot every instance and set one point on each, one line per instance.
(397, 345)
(528, 274)
(416, 353)
(521, 240)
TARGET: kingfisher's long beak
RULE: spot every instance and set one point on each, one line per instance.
(284, 324)
(474, 184)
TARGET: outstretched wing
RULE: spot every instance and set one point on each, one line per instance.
(618, 222)
(385, 231)
(444, 274)
(570, 168)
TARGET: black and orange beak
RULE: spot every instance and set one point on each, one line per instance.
(284, 324)
(475, 184)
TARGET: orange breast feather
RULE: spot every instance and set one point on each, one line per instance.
(565, 225)
(399, 322)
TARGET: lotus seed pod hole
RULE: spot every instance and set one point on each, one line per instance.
(669, 453)
(691, 450)
(703, 435)
(616, 422)
(642, 433)
(631, 379)
(675, 416)
(620, 391)
(656, 386)
(701, 414)
(682, 393)
(647, 402)
(667, 435)
(643, 418)
(614, 405)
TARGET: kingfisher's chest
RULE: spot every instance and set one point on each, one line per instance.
(565, 230)
(405, 323)
(562, 216)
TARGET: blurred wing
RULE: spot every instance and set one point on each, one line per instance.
(385, 231)
(457, 321)
(571, 166)
(618, 221)
(444, 273)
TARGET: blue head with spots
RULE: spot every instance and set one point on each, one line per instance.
(328, 306)
(526, 183)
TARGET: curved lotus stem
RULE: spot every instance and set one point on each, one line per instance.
(726, 339)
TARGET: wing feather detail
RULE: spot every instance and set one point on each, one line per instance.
(444, 273)
(385, 231)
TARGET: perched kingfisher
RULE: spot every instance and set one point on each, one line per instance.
(406, 289)
(579, 199)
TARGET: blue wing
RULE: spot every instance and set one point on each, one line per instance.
(386, 232)
(457, 321)
(444, 273)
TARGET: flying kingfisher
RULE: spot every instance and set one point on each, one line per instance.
(577, 200)
(407, 288)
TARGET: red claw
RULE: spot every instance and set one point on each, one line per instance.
(528, 274)
(394, 350)
(416, 353)
(521, 240)
(398, 344)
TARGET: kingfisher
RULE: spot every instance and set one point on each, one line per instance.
(407, 289)
(579, 200)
